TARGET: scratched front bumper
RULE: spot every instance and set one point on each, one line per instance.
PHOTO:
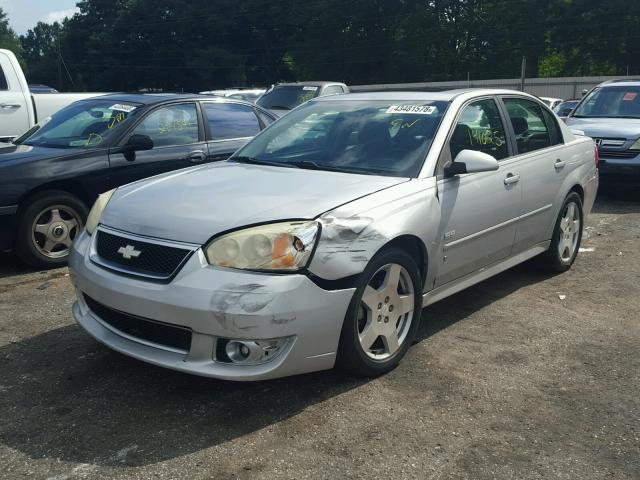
(215, 303)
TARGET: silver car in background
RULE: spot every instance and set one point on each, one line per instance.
(319, 242)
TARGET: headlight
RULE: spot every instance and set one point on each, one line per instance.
(96, 211)
(635, 146)
(279, 246)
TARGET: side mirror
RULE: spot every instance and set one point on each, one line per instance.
(471, 161)
(139, 142)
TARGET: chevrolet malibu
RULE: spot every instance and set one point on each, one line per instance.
(319, 242)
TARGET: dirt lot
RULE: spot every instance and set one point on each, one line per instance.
(524, 376)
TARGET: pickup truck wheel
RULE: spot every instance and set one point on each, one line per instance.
(567, 236)
(383, 315)
(47, 226)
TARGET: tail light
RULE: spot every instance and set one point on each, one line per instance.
(597, 154)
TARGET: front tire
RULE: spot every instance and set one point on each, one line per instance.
(567, 236)
(383, 316)
(47, 226)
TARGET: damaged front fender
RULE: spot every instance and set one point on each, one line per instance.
(353, 233)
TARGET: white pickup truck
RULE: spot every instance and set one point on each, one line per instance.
(19, 109)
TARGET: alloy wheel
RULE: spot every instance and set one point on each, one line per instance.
(569, 232)
(386, 312)
(54, 230)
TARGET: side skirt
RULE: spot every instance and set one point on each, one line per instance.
(478, 276)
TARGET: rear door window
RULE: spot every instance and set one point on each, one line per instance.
(231, 120)
(528, 124)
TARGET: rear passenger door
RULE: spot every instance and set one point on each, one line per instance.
(479, 211)
(228, 127)
(178, 142)
(542, 165)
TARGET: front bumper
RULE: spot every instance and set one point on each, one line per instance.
(214, 303)
(619, 170)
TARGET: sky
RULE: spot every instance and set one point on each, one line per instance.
(24, 14)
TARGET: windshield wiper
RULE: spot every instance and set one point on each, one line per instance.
(311, 165)
(257, 161)
(279, 107)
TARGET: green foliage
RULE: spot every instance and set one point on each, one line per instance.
(194, 45)
(8, 38)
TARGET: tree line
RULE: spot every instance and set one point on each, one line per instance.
(192, 45)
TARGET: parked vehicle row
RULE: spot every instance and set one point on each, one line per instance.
(21, 108)
(51, 175)
(283, 97)
(319, 241)
(246, 94)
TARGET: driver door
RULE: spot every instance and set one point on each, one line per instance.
(479, 211)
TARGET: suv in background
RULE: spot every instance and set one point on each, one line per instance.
(282, 97)
(610, 114)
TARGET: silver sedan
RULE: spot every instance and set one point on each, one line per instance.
(320, 241)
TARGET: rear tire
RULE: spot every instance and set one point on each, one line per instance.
(47, 226)
(567, 235)
(383, 316)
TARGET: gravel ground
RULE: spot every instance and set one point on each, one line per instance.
(524, 376)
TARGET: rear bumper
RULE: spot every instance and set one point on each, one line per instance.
(7, 226)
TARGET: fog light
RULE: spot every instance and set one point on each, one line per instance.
(251, 352)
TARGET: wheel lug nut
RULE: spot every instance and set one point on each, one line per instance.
(391, 308)
(386, 319)
(379, 317)
(379, 306)
(386, 299)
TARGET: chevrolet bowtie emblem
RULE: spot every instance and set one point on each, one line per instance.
(128, 252)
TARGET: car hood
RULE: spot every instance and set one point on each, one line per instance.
(628, 128)
(193, 204)
(11, 154)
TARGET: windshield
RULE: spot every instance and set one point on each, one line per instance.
(366, 137)
(617, 102)
(83, 124)
(287, 97)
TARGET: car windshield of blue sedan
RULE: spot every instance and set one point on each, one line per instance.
(612, 102)
(84, 124)
(366, 137)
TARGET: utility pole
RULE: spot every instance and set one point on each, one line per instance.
(60, 89)
(522, 73)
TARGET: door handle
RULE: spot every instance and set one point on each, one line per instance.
(559, 164)
(10, 105)
(510, 179)
(196, 156)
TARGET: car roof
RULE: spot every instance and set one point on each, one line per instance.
(622, 82)
(310, 83)
(446, 95)
(155, 98)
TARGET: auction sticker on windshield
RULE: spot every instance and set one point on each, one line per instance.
(122, 107)
(415, 109)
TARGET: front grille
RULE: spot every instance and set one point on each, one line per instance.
(139, 257)
(160, 333)
(618, 154)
